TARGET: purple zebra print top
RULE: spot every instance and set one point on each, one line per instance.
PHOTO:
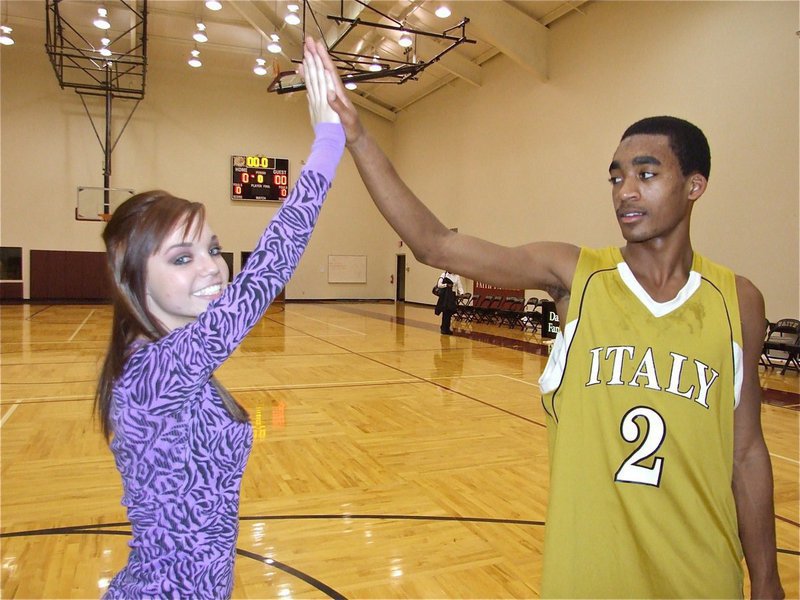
(180, 454)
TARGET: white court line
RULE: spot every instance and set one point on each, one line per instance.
(328, 324)
(40, 399)
(483, 376)
(9, 412)
(290, 386)
(72, 337)
(536, 385)
(786, 458)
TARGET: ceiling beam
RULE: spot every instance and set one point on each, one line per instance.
(265, 21)
(515, 34)
(373, 107)
(451, 62)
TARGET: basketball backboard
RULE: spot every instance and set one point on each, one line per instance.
(99, 203)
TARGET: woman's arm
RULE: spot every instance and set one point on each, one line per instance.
(191, 353)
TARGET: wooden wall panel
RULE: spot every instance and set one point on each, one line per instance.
(65, 275)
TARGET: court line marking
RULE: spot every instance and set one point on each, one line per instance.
(250, 388)
(9, 412)
(72, 337)
(786, 458)
(291, 386)
(465, 376)
(44, 399)
(288, 386)
(536, 385)
(325, 323)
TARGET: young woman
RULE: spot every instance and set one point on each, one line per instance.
(180, 440)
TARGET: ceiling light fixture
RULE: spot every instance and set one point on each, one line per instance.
(274, 45)
(214, 5)
(375, 66)
(350, 85)
(292, 18)
(442, 12)
(260, 69)
(101, 21)
(5, 35)
(200, 34)
(405, 40)
(195, 61)
(104, 51)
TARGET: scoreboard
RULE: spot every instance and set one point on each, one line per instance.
(259, 178)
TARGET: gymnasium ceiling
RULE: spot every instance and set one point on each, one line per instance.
(239, 32)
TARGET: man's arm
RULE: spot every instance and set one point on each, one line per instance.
(752, 471)
(542, 265)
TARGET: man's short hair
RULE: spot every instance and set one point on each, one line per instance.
(686, 140)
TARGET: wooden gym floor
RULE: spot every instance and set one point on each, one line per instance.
(388, 462)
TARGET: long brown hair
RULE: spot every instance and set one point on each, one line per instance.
(134, 233)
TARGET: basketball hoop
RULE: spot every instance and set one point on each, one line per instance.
(106, 217)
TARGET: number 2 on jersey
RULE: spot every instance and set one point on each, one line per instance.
(631, 471)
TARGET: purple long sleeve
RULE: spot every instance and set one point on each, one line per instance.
(327, 149)
(180, 455)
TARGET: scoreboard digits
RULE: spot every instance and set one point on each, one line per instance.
(259, 178)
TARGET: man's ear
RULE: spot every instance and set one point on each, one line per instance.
(697, 185)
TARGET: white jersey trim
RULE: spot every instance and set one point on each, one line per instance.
(554, 369)
(659, 309)
(738, 373)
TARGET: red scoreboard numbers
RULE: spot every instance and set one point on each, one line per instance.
(259, 178)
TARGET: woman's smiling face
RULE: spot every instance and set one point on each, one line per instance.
(185, 275)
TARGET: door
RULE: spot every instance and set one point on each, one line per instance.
(400, 279)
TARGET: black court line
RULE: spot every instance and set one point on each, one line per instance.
(105, 530)
(479, 336)
(417, 377)
(778, 398)
(316, 583)
(108, 529)
(785, 401)
(787, 520)
(395, 518)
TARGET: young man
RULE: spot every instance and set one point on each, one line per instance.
(660, 477)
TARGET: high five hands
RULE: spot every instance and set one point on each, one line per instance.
(319, 84)
(321, 74)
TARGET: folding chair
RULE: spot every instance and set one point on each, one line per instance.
(469, 310)
(463, 304)
(486, 313)
(531, 314)
(783, 344)
(511, 312)
(478, 306)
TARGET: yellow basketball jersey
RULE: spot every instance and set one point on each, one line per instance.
(640, 398)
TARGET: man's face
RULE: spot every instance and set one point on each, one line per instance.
(652, 198)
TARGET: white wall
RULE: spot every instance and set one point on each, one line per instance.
(534, 155)
(181, 138)
(515, 160)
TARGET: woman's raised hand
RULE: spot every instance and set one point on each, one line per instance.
(337, 95)
(319, 83)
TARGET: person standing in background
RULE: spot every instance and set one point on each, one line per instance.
(450, 289)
